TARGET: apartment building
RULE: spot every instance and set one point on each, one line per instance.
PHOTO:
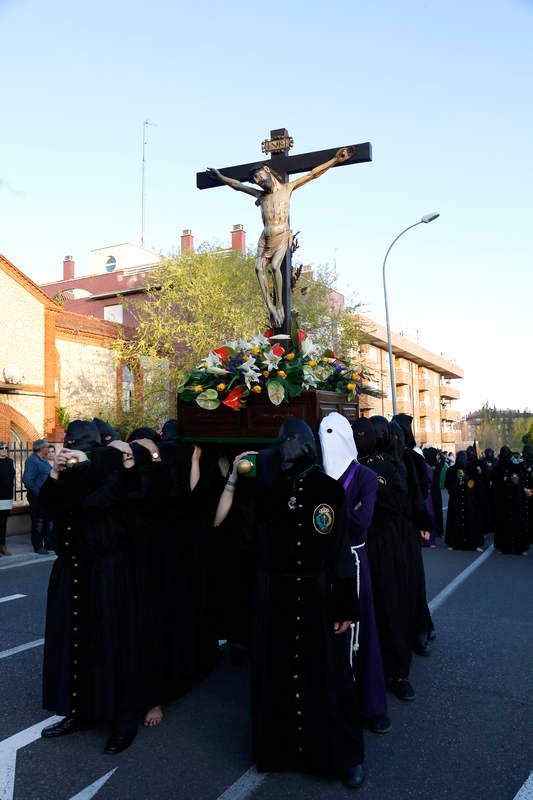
(425, 386)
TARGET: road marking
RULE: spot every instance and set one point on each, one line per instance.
(526, 792)
(35, 560)
(441, 597)
(21, 648)
(8, 754)
(91, 790)
(11, 597)
(243, 786)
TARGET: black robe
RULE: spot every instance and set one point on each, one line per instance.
(510, 529)
(304, 701)
(389, 568)
(90, 667)
(465, 521)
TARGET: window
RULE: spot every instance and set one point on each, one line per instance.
(128, 388)
(114, 313)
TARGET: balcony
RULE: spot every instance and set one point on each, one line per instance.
(449, 391)
(450, 415)
(402, 376)
(424, 382)
(403, 406)
(449, 437)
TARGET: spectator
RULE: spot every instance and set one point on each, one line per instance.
(7, 476)
(36, 471)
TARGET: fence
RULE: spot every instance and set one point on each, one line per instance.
(19, 453)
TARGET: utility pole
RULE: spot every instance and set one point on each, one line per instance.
(143, 179)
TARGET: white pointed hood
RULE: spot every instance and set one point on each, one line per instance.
(337, 443)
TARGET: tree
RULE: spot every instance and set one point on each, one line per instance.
(196, 302)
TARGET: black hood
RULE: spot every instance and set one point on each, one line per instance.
(405, 421)
(382, 432)
(364, 436)
(82, 435)
(144, 433)
(107, 433)
(169, 431)
(297, 446)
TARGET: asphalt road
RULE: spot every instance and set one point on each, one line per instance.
(467, 736)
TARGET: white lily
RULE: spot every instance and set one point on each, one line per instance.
(250, 371)
(213, 364)
(308, 348)
(271, 360)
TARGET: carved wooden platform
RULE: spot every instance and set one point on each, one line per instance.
(260, 420)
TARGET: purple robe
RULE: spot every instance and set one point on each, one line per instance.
(361, 487)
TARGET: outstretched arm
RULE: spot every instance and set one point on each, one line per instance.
(343, 154)
(237, 185)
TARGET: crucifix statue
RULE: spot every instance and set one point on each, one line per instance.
(273, 195)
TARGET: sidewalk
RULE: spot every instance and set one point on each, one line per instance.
(19, 545)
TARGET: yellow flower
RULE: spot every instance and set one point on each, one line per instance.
(266, 373)
(325, 359)
(290, 356)
(256, 350)
(198, 388)
(257, 389)
(355, 376)
(246, 358)
(350, 386)
(221, 387)
(312, 363)
(281, 373)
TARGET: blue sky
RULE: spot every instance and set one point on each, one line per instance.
(443, 91)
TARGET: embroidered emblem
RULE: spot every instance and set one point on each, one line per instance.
(292, 503)
(323, 518)
(382, 479)
(470, 484)
(514, 478)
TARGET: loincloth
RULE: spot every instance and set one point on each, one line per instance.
(270, 244)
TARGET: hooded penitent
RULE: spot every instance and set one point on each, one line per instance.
(107, 433)
(144, 432)
(82, 435)
(382, 431)
(297, 446)
(169, 431)
(365, 438)
(337, 442)
(405, 422)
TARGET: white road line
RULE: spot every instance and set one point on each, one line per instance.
(21, 648)
(526, 792)
(91, 790)
(11, 597)
(25, 563)
(243, 786)
(8, 754)
(441, 597)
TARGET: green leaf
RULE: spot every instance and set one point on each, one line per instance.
(276, 392)
(208, 399)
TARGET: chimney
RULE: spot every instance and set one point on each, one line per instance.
(187, 242)
(68, 268)
(238, 239)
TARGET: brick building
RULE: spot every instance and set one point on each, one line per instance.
(49, 358)
(424, 386)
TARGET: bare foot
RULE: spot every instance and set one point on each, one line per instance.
(153, 717)
(479, 549)
(525, 553)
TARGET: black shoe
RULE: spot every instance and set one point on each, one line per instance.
(403, 689)
(64, 727)
(42, 551)
(120, 740)
(379, 724)
(353, 778)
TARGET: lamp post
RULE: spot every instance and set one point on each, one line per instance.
(426, 218)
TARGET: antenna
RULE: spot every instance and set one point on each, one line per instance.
(143, 174)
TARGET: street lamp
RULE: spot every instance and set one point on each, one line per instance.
(426, 218)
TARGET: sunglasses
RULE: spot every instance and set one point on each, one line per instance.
(4, 447)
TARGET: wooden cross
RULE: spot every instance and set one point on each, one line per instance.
(284, 165)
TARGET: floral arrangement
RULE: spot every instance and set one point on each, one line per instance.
(233, 372)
